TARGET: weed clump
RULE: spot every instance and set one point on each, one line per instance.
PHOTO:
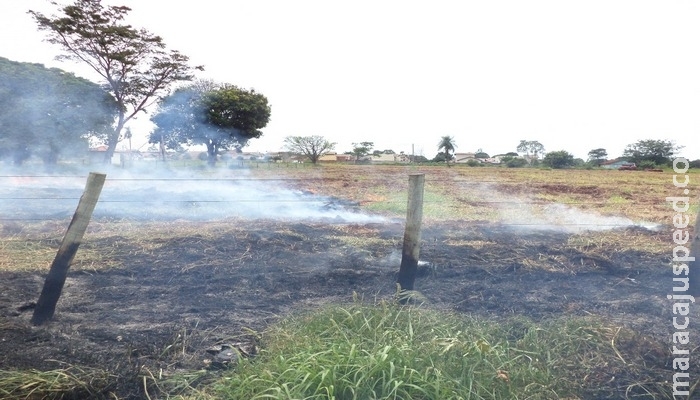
(387, 351)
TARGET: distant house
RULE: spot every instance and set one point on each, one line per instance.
(253, 155)
(329, 157)
(345, 157)
(280, 156)
(96, 155)
(461, 158)
(403, 158)
(389, 157)
(616, 164)
(498, 158)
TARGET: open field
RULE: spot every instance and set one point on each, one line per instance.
(148, 298)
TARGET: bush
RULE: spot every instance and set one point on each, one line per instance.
(646, 164)
(558, 159)
(516, 163)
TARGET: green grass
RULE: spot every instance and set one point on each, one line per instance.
(436, 206)
(388, 351)
(70, 383)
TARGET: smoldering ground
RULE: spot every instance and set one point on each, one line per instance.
(212, 282)
(173, 196)
(135, 289)
(147, 195)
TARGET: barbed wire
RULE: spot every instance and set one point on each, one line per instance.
(468, 201)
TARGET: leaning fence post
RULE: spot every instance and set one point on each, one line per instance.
(411, 237)
(53, 285)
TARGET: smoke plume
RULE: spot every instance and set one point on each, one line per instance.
(173, 197)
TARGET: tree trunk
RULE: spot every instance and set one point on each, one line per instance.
(212, 149)
(113, 139)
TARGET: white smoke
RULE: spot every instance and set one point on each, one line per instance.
(175, 197)
(523, 212)
(561, 217)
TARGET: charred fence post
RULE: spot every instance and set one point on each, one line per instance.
(53, 285)
(412, 235)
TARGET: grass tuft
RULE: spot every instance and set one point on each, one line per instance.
(68, 383)
(387, 351)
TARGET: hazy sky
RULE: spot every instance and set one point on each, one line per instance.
(574, 75)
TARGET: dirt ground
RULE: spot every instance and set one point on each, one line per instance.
(162, 310)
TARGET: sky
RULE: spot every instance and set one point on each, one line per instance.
(573, 75)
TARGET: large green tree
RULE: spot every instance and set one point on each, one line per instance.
(659, 152)
(558, 159)
(361, 149)
(134, 63)
(49, 112)
(597, 156)
(531, 148)
(312, 147)
(447, 145)
(219, 116)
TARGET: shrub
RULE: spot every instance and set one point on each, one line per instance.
(516, 163)
(646, 164)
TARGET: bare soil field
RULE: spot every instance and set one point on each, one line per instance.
(150, 298)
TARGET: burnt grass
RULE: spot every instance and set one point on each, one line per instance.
(170, 299)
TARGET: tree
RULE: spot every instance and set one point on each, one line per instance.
(49, 112)
(237, 115)
(219, 116)
(447, 145)
(179, 116)
(597, 156)
(440, 157)
(558, 159)
(418, 159)
(312, 147)
(481, 154)
(530, 147)
(134, 64)
(659, 152)
(362, 149)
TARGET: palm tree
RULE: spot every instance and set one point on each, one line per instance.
(447, 143)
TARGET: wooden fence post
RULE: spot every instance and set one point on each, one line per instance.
(53, 285)
(411, 237)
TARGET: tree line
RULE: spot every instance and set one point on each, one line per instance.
(644, 154)
(49, 113)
